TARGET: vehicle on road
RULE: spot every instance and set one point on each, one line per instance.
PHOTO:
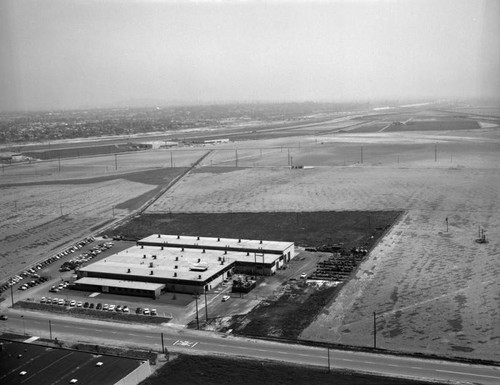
(303, 276)
(3, 317)
(225, 298)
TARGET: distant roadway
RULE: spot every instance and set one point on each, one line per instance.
(178, 339)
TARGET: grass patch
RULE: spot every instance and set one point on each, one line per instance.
(193, 370)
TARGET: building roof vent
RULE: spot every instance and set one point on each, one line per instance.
(150, 264)
(239, 240)
(162, 247)
(203, 251)
(177, 258)
(128, 270)
(178, 237)
(199, 260)
(261, 241)
(175, 267)
(159, 236)
(218, 239)
(199, 276)
(152, 272)
(175, 274)
(248, 253)
(142, 246)
(144, 256)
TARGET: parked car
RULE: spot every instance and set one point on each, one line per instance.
(138, 310)
(72, 303)
(55, 301)
(99, 306)
(153, 312)
(61, 302)
(225, 298)
(118, 308)
(91, 306)
(79, 304)
(111, 308)
(125, 309)
(105, 307)
(146, 311)
(3, 317)
(43, 300)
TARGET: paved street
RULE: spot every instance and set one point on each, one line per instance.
(179, 339)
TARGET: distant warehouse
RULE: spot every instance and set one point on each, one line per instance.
(183, 264)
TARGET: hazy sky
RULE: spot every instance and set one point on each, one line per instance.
(87, 53)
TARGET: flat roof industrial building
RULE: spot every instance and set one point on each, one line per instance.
(28, 363)
(182, 264)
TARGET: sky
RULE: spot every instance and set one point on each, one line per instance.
(60, 54)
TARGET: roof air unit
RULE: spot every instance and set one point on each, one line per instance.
(151, 272)
(199, 260)
(203, 251)
(175, 267)
(150, 264)
(197, 238)
(239, 240)
(178, 237)
(175, 274)
(128, 270)
(144, 256)
(199, 276)
(176, 258)
(142, 246)
(159, 236)
(218, 239)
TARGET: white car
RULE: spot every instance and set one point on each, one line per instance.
(303, 276)
(111, 307)
(79, 304)
(146, 311)
(225, 298)
(72, 303)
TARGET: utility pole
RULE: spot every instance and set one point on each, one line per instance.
(59, 163)
(11, 292)
(60, 208)
(236, 159)
(171, 160)
(435, 152)
(328, 349)
(113, 210)
(197, 319)
(446, 224)
(361, 154)
(374, 330)
(206, 306)
(162, 344)
(116, 163)
(50, 330)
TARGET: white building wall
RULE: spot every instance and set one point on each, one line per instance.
(138, 375)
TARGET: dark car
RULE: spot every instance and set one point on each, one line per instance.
(99, 306)
(138, 310)
(3, 317)
(86, 305)
(91, 305)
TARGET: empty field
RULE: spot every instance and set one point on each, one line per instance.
(435, 292)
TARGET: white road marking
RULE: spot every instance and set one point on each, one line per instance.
(465, 373)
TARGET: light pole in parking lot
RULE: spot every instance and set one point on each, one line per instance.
(50, 330)
(24, 325)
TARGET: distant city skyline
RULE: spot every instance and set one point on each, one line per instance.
(59, 54)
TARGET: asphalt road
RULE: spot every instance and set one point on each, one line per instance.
(179, 339)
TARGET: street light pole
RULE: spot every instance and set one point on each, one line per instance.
(50, 330)
(24, 325)
(374, 330)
